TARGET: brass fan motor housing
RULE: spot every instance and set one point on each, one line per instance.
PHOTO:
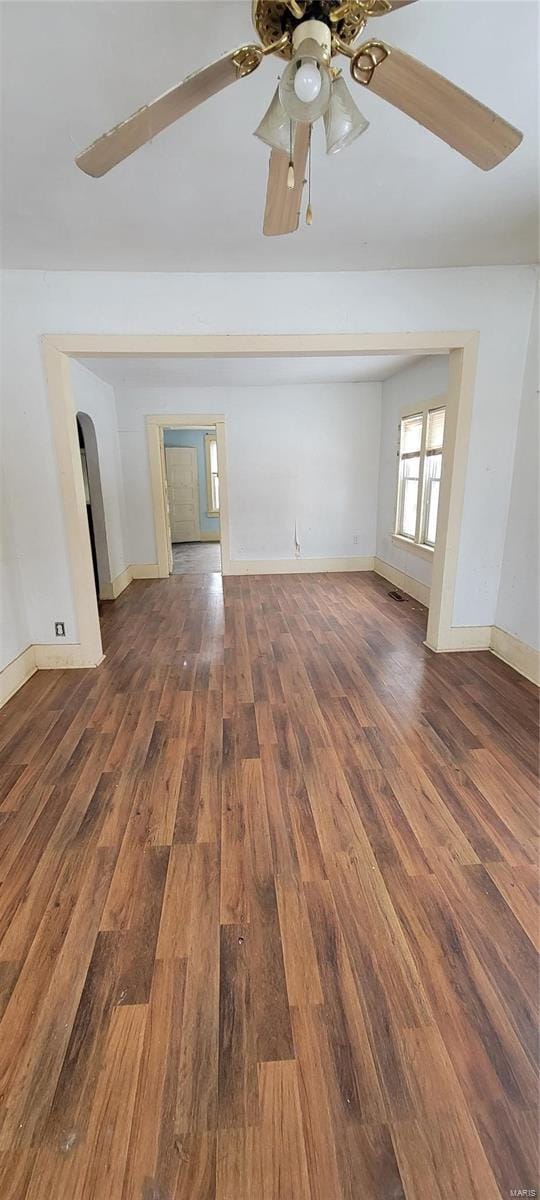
(273, 18)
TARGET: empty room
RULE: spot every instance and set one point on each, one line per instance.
(270, 605)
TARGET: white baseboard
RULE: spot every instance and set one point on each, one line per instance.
(419, 591)
(62, 658)
(209, 537)
(523, 658)
(17, 672)
(41, 658)
(298, 566)
(144, 571)
(517, 654)
(464, 637)
(113, 589)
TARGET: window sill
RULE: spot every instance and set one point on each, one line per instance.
(415, 547)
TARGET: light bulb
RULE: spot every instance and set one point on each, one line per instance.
(307, 82)
(308, 66)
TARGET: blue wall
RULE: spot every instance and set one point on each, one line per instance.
(195, 437)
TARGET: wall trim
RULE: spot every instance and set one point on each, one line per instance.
(144, 571)
(298, 566)
(70, 656)
(464, 637)
(510, 649)
(460, 392)
(517, 654)
(523, 658)
(413, 587)
(258, 345)
(70, 478)
(63, 658)
(209, 537)
(136, 571)
(156, 423)
(15, 673)
(111, 590)
(414, 547)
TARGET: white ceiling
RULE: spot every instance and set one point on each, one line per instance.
(193, 199)
(150, 372)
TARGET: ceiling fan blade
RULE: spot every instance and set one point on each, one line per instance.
(129, 135)
(450, 113)
(282, 211)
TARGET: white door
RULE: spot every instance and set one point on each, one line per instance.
(183, 493)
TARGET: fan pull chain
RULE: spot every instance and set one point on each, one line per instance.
(309, 210)
(290, 172)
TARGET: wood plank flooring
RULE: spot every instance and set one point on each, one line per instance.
(194, 558)
(268, 906)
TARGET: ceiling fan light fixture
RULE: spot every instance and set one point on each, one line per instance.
(343, 121)
(304, 88)
(275, 127)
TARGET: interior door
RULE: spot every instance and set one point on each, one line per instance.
(183, 493)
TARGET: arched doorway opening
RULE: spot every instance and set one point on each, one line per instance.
(94, 501)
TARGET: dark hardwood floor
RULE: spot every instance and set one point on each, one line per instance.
(268, 906)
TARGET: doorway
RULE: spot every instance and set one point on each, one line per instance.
(192, 494)
(95, 511)
(462, 347)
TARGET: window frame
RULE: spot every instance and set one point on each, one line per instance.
(425, 549)
(429, 479)
(401, 491)
(211, 510)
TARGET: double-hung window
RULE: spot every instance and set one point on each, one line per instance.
(432, 475)
(420, 460)
(212, 475)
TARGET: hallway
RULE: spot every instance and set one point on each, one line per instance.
(192, 558)
(269, 870)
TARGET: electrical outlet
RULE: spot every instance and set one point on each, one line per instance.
(59, 628)
(355, 539)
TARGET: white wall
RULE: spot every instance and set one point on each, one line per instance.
(518, 602)
(495, 301)
(96, 398)
(301, 458)
(415, 384)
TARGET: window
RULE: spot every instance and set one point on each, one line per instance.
(410, 444)
(432, 475)
(212, 474)
(420, 462)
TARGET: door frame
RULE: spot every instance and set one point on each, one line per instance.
(156, 424)
(460, 345)
(97, 510)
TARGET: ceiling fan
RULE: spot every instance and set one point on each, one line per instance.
(308, 34)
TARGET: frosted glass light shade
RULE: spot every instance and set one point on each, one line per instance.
(275, 127)
(343, 121)
(307, 112)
